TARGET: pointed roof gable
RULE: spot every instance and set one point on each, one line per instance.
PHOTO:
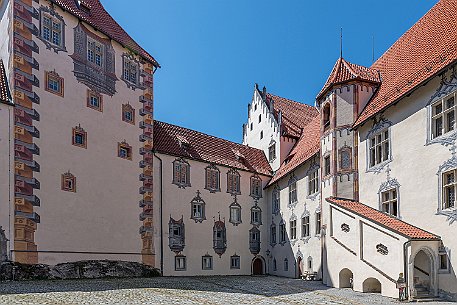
(294, 115)
(424, 50)
(168, 140)
(344, 71)
(93, 12)
(5, 94)
(388, 221)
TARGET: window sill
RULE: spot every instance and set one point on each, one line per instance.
(378, 167)
(446, 139)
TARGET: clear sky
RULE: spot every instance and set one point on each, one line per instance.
(212, 52)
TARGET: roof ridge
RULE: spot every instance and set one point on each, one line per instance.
(208, 135)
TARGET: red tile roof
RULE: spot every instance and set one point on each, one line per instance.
(344, 71)
(383, 219)
(101, 20)
(306, 147)
(5, 94)
(294, 115)
(424, 50)
(198, 146)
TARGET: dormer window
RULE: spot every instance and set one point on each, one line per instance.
(326, 116)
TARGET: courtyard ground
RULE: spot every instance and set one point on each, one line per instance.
(185, 290)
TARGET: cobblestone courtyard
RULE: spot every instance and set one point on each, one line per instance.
(195, 290)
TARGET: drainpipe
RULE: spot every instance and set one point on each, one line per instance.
(405, 267)
(161, 215)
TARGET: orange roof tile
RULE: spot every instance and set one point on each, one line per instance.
(294, 115)
(306, 147)
(198, 146)
(383, 219)
(423, 51)
(101, 20)
(344, 71)
(5, 94)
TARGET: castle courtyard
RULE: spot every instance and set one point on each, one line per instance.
(191, 290)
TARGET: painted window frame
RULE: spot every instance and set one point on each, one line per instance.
(207, 262)
(390, 201)
(235, 258)
(212, 179)
(272, 151)
(79, 131)
(443, 114)
(96, 53)
(181, 176)
(341, 152)
(93, 94)
(293, 192)
(282, 233)
(55, 18)
(255, 187)
(233, 182)
(54, 77)
(273, 235)
(128, 109)
(305, 226)
(256, 215)
(293, 229)
(182, 258)
(276, 200)
(313, 182)
(124, 146)
(176, 241)
(67, 178)
(327, 164)
(197, 201)
(235, 206)
(318, 227)
(131, 71)
(444, 252)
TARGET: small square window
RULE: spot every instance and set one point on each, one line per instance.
(124, 150)
(79, 137)
(180, 263)
(128, 114)
(68, 182)
(207, 262)
(54, 83)
(235, 262)
(94, 100)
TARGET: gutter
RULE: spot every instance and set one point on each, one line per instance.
(161, 215)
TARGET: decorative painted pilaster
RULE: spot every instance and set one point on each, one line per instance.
(25, 219)
(146, 124)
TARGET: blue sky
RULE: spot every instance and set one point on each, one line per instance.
(212, 52)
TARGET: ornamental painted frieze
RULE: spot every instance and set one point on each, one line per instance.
(94, 63)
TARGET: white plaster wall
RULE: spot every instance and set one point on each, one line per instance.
(102, 216)
(268, 126)
(309, 247)
(349, 239)
(344, 105)
(199, 236)
(415, 166)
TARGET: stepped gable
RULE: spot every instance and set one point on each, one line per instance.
(182, 142)
(383, 219)
(306, 147)
(294, 115)
(344, 71)
(427, 48)
(93, 12)
(5, 94)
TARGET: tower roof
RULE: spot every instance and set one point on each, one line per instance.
(5, 94)
(344, 71)
(427, 48)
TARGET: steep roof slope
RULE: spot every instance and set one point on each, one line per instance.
(169, 139)
(424, 50)
(5, 94)
(382, 219)
(344, 71)
(101, 20)
(307, 146)
(294, 115)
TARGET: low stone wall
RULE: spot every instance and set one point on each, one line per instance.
(76, 270)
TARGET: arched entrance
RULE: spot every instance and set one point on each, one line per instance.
(346, 278)
(258, 266)
(371, 285)
(422, 272)
(299, 267)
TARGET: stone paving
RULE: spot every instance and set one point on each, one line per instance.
(185, 290)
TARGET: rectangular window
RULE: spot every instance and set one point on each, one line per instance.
(79, 137)
(233, 182)
(305, 226)
(273, 235)
(51, 30)
(180, 263)
(389, 202)
(54, 83)
(235, 262)
(212, 179)
(181, 173)
(95, 52)
(272, 152)
(443, 261)
(313, 183)
(124, 151)
(282, 232)
(293, 193)
(449, 189)
(128, 114)
(275, 201)
(318, 223)
(443, 116)
(94, 100)
(207, 262)
(327, 166)
(256, 187)
(293, 229)
(379, 148)
(131, 71)
(68, 182)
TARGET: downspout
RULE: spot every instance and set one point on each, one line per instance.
(10, 187)
(161, 215)
(405, 267)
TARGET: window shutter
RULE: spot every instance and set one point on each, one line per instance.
(177, 172)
